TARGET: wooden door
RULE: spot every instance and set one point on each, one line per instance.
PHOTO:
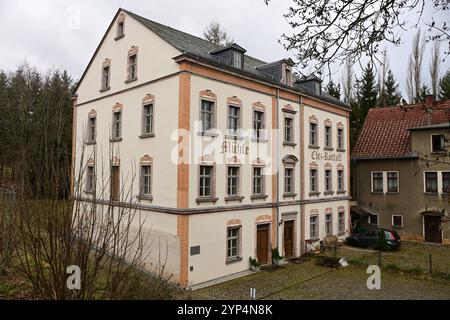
(262, 244)
(288, 236)
(433, 229)
(115, 183)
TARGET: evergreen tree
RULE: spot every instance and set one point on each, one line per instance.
(424, 91)
(367, 92)
(444, 87)
(334, 89)
(390, 96)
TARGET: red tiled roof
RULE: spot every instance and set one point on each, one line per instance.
(385, 132)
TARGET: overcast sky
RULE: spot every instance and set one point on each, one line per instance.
(46, 34)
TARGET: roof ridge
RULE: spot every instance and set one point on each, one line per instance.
(167, 26)
(186, 33)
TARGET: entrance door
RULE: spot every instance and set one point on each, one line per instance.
(288, 238)
(433, 229)
(262, 243)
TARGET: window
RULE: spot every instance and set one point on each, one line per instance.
(289, 180)
(233, 235)
(258, 124)
(431, 182)
(206, 177)
(132, 67)
(377, 181)
(233, 181)
(288, 76)
(147, 125)
(328, 184)
(392, 180)
(115, 183)
(340, 138)
(120, 29)
(397, 221)
(106, 77)
(340, 180)
(313, 134)
(117, 125)
(328, 224)
(146, 181)
(445, 182)
(258, 181)
(207, 115)
(373, 219)
(328, 143)
(313, 227)
(92, 130)
(90, 181)
(438, 143)
(341, 222)
(288, 130)
(237, 59)
(233, 119)
(313, 187)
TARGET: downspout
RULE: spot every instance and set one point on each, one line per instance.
(278, 169)
(302, 178)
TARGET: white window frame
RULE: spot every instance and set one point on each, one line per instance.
(438, 182)
(442, 140)
(340, 139)
(371, 182)
(342, 189)
(331, 231)
(291, 127)
(343, 222)
(212, 113)
(316, 227)
(142, 194)
(238, 240)
(152, 119)
(387, 181)
(238, 180)
(114, 126)
(316, 134)
(328, 145)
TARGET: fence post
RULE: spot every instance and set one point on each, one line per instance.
(379, 258)
(430, 263)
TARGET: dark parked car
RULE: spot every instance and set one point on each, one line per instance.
(377, 238)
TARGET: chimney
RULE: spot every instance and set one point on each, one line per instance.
(429, 101)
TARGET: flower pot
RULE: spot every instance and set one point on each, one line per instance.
(256, 268)
(278, 262)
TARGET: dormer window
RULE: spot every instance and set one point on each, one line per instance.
(288, 73)
(237, 59)
(232, 55)
(437, 143)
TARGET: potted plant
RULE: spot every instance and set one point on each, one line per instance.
(254, 264)
(276, 257)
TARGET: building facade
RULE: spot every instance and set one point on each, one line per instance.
(402, 170)
(227, 156)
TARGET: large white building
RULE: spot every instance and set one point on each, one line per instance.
(233, 156)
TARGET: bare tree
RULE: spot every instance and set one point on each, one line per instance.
(347, 80)
(414, 71)
(326, 31)
(434, 67)
(384, 67)
(215, 34)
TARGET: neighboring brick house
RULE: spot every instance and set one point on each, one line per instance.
(402, 170)
(234, 156)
